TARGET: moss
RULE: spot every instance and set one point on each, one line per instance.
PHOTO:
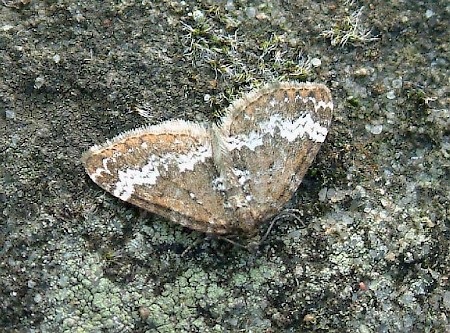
(349, 30)
(96, 260)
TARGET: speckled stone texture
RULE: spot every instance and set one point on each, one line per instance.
(365, 247)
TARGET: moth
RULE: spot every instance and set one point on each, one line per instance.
(223, 178)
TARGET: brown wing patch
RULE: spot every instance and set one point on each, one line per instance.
(225, 178)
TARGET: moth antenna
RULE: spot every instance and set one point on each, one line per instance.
(285, 213)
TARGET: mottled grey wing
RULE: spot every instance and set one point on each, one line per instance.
(166, 169)
(268, 140)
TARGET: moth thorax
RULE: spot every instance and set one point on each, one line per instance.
(238, 201)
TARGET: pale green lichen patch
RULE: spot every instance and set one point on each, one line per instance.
(368, 248)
